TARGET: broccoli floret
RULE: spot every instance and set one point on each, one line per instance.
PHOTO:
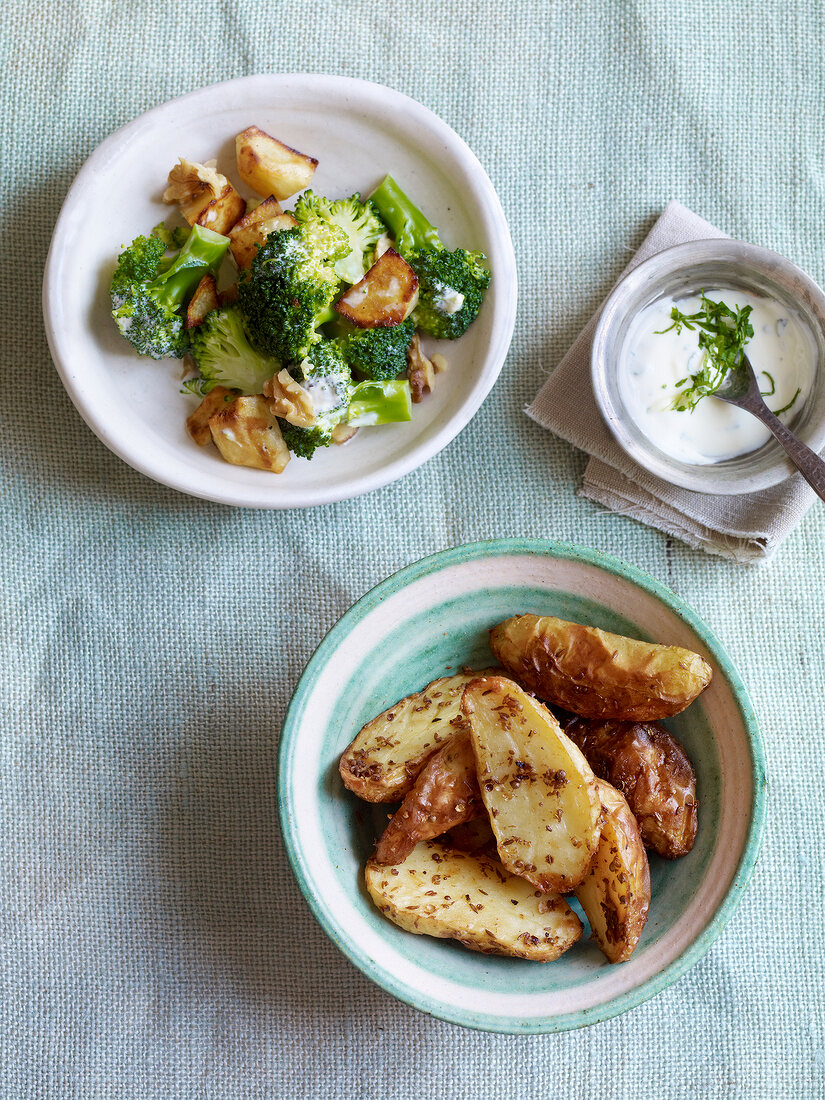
(325, 376)
(172, 238)
(376, 353)
(451, 289)
(289, 290)
(148, 296)
(225, 357)
(451, 284)
(357, 219)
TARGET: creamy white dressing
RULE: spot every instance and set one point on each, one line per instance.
(447, 299)
(324, 396)
(653, 361)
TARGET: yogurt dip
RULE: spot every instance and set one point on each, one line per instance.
(782, 353)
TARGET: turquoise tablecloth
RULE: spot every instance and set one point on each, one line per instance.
(154, 944)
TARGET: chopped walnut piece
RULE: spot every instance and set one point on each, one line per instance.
(419, 370)
(289, 400)
(198, 423)
(205, 196)
(343, 433)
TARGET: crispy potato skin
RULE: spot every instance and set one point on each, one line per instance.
(651, 769)
(440, 892)
(616, 893)
(537, 787)
(445, 794)
(596, 674)
(382, 762)
(269, 166)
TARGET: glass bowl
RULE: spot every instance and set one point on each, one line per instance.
(686, 269)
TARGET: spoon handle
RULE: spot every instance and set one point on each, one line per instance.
(809, 464)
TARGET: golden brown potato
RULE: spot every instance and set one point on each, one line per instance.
(445, 794)
(247, 235)
(388, 753)
(538, 788)
(615, 896)
(596, 674)
(202, 302)
(386, 295)
(269, 167)
(476, 837)
(452, 895)
(650, 768)
(205, 196)
(198, 423)
(247, 434)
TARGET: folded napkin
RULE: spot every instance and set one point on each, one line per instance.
(745, 528)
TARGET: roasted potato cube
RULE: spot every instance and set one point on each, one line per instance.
(445, 794)
(247, 235)
(222, 213)
(388, 753)
(596, 674)
(386, 295)
(205, 196)
(198, 423)
(247, 434)
(202, 302)
(440, 892)
(615, 895)
(651, 769)
(538, 788)
(269, 167)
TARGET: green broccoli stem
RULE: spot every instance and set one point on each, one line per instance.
(201, 255)
(375, 403)
(406, 223)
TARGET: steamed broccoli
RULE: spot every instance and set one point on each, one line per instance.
(376, 353)
(357, 219)
(451, 284)
(149, 295)
(289, 290)
(325, 376)
(225, 357)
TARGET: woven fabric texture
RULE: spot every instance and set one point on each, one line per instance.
(154, 943)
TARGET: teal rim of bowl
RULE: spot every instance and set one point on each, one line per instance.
(432, 1006)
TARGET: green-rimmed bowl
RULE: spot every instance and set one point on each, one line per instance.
(432, 617)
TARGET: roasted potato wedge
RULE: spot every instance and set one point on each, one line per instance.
(386, 295)
(452, 895)
(596, 674)
(388, 753)
(651, 769)
(615, 895)
(445, 793)
(202, 302)
(248, 234)
(205, 197)
(247, 434)
(476, 837)
(537, 786)
(198, 423)
(269, 167)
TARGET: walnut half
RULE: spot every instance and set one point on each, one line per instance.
(289, 400)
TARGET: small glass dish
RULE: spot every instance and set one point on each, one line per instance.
(686, 269)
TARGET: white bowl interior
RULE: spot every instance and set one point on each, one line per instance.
(359, 132)
(439, 622)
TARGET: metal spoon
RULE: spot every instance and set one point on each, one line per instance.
(741, 388)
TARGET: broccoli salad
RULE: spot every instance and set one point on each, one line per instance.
(318, 332)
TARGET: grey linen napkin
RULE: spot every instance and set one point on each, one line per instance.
(745, 528)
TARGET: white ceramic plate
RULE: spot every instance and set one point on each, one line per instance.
(359, 132)
(434, 616)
